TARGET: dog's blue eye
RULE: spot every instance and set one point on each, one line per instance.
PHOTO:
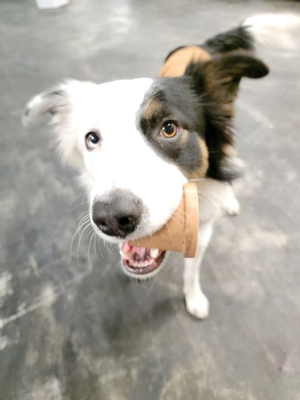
(92, 140)
(169, 129)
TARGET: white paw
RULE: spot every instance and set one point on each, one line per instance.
(232, 208)
(198, 305)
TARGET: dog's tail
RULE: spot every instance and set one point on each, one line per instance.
(278, 31)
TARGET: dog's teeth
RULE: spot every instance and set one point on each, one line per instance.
(154, 253)
(124, 255)
(141, 264)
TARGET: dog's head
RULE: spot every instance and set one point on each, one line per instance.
(136, 142)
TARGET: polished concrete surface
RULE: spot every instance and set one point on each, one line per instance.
(72, 326)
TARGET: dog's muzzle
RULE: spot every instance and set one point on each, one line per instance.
(118, 215)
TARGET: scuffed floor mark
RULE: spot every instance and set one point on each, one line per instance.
(262, 120)
(48, 296)
(286, 364)
(51, 390)
(253, 238)
(34, 265)
(3, 342)
(292, 176)
(32, 356)
(262, 238)
(249, 184)
(199, 386)
(231, 394)
(8, 205)
(5, 284)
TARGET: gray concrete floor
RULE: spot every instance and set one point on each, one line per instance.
(72, 326)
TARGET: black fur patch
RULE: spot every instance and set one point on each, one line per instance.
(180, 104)
(234, 39)
(221, 76)
(217, 82)
(218, 135)
(201, 102)
(58, 92)
(186, 101)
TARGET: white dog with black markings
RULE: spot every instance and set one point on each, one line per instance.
(136, 142)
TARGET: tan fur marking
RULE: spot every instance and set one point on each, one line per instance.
(199, 172)
(177, 63)
(217, 84)
(229, 150)
(184, 137)
(153, 107)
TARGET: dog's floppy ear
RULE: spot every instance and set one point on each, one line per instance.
(59, 103)
(51, 101)
(217, 81)
(221, 76)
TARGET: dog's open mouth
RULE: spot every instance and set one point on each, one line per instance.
(141, 260)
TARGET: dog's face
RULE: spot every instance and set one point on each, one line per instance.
(137, 142)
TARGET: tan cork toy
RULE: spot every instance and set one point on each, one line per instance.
(181, 231)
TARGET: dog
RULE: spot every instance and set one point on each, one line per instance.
(137, 142)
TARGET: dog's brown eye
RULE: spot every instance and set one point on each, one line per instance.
(169, 129)
(92, 140)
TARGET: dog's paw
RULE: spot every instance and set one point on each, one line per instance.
(232, 208)
(198, 305)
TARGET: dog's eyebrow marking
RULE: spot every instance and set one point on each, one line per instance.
(153, 117)
(58, 92)
(153, 107)
(154, 110)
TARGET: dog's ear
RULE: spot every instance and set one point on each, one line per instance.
(51, 101)
(58, 102)
(216, 82)
(221, 76)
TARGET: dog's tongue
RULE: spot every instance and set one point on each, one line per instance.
(134, 253)
(129, 252)
(127, 247)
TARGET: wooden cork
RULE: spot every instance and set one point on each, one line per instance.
(181, 232)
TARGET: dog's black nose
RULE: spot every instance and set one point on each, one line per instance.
(117, 214)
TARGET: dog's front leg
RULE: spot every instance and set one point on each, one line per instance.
(196, 302)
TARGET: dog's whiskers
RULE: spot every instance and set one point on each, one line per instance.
(89, 248)
(83, 223)
(81, 238)
(85, 214)
(178, 220)
(109, 247)
(82, 198)
(170, 233)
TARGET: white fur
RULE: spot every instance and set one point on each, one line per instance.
(123, 160)
(215, 199)
(275, 30)
(196, 302)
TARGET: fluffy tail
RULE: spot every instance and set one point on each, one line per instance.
(274, 30)
(269, 30)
